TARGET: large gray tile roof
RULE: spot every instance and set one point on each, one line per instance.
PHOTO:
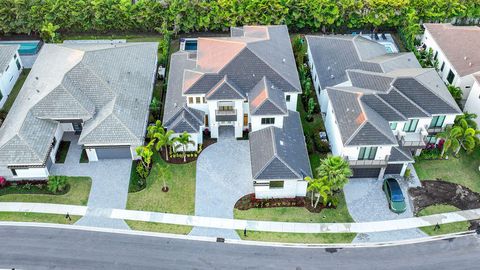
(186, 119)
(280, 153)
(108, 86)
(224, 90)
(400, 155)
(6, 54)
(370, 80)
(264, 99)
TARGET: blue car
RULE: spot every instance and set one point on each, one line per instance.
(394, 195)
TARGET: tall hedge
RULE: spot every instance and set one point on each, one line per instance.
(27, 16)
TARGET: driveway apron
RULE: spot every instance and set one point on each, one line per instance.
(366, 201)
(223, 176)
(110, 180)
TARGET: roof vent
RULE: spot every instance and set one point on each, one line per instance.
(332, 76)
(283, 60)
(281, 143)
(175, 104)
(328, 68)
(253, 74)
(38, 91)
(36, 78)
(465, 58)
(470, 64)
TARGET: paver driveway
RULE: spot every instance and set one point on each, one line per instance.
(223, 176)
(110, 179)
(366, 201)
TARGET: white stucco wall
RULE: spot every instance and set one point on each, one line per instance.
(291, 189)
(352, 151)
(333, 132)
(31, 173)
(292, 104)
(91, 154)
(58, 137)
(212, 121)
(8, 78)
(473, 102)
(465, 83)
(257, 121)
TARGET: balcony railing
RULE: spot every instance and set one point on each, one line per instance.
(413, 140)
(222, 116)
(368, 162)
(434, 129)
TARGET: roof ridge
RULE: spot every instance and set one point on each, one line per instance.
(373, 124)
(26, 144)
(193, 114)
(388, 104)
(430, 90)
(76, 99)
(407, 98)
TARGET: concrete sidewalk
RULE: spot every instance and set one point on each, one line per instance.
(267, 226)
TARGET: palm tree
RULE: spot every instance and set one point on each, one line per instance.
(318, 186)
(166, 174)
(449, 138)
(469, 118)
(182, 142)
(456, 93)
(336, 170)
(146, 153)
(152, 130)
(164, 139)
(466, 136)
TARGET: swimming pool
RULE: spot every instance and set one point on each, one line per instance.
(188, 44)
(26, 47)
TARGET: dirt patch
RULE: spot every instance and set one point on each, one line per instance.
(249, 201)
(442, 192)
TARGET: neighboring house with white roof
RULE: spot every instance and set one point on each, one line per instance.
(101, 92)
(10, 69)
(245, 82)
(457, 50)
(379, 109)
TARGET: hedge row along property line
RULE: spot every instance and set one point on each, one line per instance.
(95, 16)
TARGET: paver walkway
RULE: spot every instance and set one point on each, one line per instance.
(366, 201)
(110, 179)
(223, 176)
(236, 224)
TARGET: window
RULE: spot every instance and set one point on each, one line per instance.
(225, 108)
(197, 100)
(393, 125)
(18, 64)
(411, 125)
(442, 67)
(436, 56)
(450, 77)
(203, 100)
(15, 56)
(245, 119)
(268, 121)
(206, 120)
(431, 139)
(367, 153)
(437, 121)
(287, 98)
(14, 172)
(276, 184)
(190, 100)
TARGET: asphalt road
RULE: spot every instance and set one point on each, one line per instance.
(47, 248)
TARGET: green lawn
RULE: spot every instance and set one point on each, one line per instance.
(463, 170)
(16, 89)
(445, 228)
(37, 217)
(180, 198)
(158, 227)
(77, 194)
(298, 214)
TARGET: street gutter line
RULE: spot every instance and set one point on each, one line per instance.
(236, 224)
(237, 242)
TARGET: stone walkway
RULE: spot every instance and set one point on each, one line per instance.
(366, 202)
(223, 176)
(110, 179)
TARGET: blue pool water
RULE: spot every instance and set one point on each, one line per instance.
(26, 47)
(190, 45)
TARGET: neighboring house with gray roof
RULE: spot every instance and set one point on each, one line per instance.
(248, 81)
(10, 69)
(377, 118)
(101, 92)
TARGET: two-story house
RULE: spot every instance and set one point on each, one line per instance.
(10, 69)
(379, 108)
(457, 51)
(245, 82)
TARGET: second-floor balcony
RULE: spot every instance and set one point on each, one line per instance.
(226, 115)
(413, 139)
(368, 162)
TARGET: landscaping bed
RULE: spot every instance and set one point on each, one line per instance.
(76, 192)
(177, 158)
(62, 151)
(249, 201)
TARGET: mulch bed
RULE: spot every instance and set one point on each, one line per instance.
(249, 201)
(434, 192)
(179, 160)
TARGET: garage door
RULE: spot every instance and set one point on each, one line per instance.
(366, 173)
(394, 169)
(113, 152)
